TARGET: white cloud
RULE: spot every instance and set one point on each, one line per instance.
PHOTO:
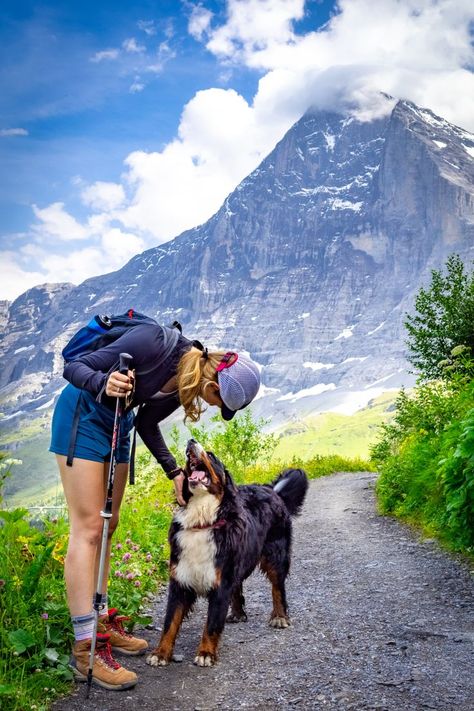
(105, 54)
(55, 222)
(415, 49)
(119, 247)
(137, 86)
(147, 26)
(163, 55)
(131, 45)
(13, 132)
(15, 279)
(255, 25)
(103, 196)
(199, 21)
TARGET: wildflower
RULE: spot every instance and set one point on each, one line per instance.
(128, 541)
(126, 556)
(148, 557)
(137, 583)
(135, 510)
(118, 574)
(130, 576)
(135, 548)
(119, 546)
(44, 615)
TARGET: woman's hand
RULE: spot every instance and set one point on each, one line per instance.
(178, 489)
(119, 385)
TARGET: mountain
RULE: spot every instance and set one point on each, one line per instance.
(310, 265)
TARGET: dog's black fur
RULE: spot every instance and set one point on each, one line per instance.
(243, 526)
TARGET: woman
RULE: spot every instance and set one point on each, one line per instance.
(162, 379)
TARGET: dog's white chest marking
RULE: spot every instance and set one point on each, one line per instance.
(196, 568)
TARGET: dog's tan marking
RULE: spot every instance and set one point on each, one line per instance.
(278, 616)
(161, 656)
(207, 653)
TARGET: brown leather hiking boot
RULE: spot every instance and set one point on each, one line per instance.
(120, 640)
(106, 671)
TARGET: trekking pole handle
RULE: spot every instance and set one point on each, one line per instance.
(125, 361)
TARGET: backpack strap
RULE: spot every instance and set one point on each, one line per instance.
(131, 469)
(75, 425)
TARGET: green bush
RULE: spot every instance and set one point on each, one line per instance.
(444, 319)
(426, 460)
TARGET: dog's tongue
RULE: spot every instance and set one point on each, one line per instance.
(198, 475)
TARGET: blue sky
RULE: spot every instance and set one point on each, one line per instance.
(81, 116)
(106, 105)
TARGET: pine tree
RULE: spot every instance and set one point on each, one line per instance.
(444, 319)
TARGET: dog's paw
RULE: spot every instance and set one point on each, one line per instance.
(156, 660)
(279, 623)
(233, 618)
(205, 659)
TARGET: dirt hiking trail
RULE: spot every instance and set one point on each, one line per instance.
(380, 620)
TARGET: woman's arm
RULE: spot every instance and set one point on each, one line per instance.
(147, 424)
(90, 371)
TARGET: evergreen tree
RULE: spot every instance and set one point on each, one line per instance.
(444, 319)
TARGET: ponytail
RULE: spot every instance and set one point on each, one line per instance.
(196, 369)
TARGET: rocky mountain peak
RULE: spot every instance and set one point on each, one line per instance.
(310, 263)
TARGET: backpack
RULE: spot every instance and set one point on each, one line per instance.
(98, 333)
(102, 330)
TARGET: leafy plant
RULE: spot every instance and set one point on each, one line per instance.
(444, 319)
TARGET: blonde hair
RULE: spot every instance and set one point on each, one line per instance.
(195, 371)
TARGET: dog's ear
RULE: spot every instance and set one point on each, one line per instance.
(229, 483)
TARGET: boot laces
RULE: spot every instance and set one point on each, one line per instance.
(116, 622)
(104, 651)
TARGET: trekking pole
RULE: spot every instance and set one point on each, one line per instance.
(106, 514)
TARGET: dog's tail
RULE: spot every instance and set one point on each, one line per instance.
(291, 485)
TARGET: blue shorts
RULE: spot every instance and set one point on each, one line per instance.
(94, 431)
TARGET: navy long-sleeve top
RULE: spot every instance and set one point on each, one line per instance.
(146, 344)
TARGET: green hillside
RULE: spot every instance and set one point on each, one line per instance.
(332, 433)
(36, 481)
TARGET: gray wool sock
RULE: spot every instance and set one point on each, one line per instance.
(83, 626)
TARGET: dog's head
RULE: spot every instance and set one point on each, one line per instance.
(204, 473)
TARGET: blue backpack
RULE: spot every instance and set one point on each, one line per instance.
(102, 330)
(99, 332)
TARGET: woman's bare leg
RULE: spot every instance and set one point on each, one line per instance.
(83, 485)
(120, 482)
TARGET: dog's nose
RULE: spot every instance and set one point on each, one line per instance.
(190, 445)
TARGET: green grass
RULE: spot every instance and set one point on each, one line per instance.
(330, 433)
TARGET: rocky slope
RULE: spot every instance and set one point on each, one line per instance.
(310, 264)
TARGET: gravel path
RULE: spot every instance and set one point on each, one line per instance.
(380, 620)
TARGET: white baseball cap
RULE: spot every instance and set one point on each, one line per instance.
(239, 381)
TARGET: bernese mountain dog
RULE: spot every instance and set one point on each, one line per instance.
(217, 540)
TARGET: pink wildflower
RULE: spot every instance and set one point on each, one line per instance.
(148, 557)
(44, 615)
(126, 556)
(137, 583)
(119, 546)
(130, 576)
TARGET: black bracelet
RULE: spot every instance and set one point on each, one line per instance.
(174, 472)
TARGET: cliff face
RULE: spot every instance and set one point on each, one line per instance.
(310, 264)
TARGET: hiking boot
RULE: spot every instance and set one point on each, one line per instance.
(120, 640)
(106, 671)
